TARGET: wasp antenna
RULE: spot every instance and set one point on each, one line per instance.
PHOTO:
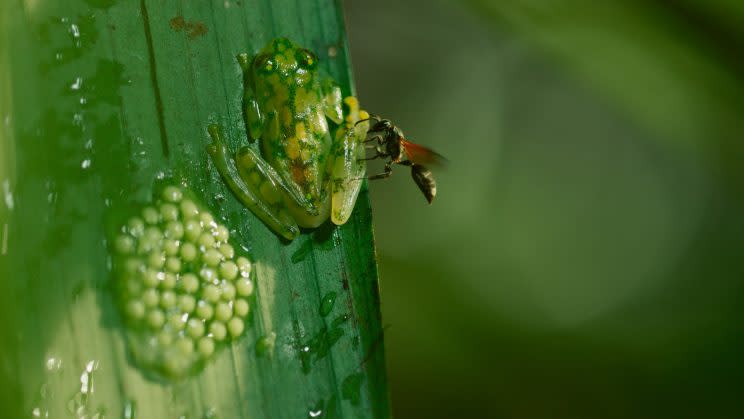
(370, 118)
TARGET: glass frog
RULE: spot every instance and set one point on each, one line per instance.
(310, 163)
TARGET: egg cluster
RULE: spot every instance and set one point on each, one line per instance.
(181, 287)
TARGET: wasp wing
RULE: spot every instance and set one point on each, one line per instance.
(419, 154)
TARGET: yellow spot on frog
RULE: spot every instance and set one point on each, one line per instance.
(300, 130)
(353, 105)
(306, 154)
(301, 133)
(309, 174)
(282, 61)
(318, 122)
(286, 117)
(293, 148)
(302, 98)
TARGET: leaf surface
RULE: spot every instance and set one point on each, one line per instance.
(100, 99)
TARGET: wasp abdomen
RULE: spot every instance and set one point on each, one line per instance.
(425, 181)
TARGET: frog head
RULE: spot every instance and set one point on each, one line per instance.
(284, 62)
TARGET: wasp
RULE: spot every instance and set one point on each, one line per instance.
(388, 142)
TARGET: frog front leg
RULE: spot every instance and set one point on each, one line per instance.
(348, 166)
(255, 183)
(254, 118)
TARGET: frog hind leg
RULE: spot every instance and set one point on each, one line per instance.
(348, 167)
(256, 190)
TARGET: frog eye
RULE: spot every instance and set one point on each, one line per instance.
(263, 62)
(307, 59)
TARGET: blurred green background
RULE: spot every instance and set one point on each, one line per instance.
(583, 256)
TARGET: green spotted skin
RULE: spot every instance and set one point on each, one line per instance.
(182, 289)
(309, 166)
(296, 139)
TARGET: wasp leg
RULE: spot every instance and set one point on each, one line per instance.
(386, 174)
(376, 156)
(257, 191)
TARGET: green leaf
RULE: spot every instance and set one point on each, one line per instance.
(99, 101)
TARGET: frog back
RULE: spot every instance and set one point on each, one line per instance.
(296, 139)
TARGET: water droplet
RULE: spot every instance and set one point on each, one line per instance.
(53, 364)
(40, 413)
(86, 378)
(129, 410)
(77, 84)
(265, 344)
(91, 366)
(5, 239)
(84, 382)
(75, 31)
(8, 194)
